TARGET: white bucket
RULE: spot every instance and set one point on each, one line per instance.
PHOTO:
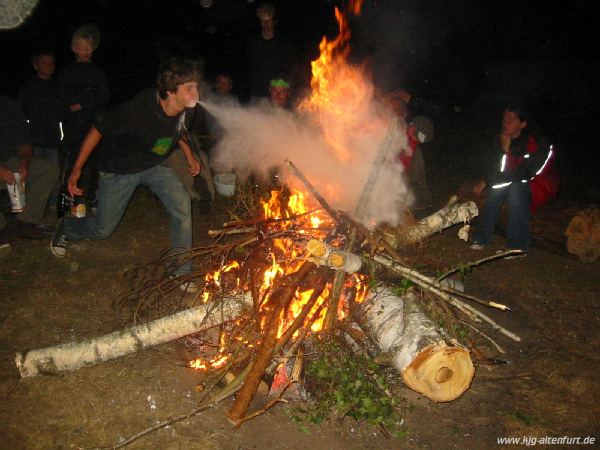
(225, 183)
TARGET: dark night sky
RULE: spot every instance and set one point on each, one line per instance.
(455, 52)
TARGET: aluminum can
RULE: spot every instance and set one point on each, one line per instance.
(78, 210)
(16, 192)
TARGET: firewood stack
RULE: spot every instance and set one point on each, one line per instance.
(269, 283)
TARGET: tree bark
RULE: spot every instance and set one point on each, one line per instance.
(415, 346)
(451, 214)
(51, 360)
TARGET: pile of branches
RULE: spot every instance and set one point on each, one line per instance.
(250, 317)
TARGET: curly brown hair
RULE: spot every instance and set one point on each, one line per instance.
(174, 72)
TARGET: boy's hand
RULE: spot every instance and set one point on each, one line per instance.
(72, 183)
(505, 142)
(6, 175)
(479, 187)
(195, 167)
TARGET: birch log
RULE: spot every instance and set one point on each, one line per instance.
(416, 347)
(73, 355)
(451, 214)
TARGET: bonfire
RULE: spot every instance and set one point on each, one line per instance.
(303, 263)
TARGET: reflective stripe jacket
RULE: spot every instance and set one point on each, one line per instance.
(531, 159)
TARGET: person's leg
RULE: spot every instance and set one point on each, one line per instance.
(487, 221)
(38, 188)
(418, 181)
(167, 186)
(517, 232)
(114, 193)
(51, 155)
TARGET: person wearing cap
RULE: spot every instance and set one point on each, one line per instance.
(268, 53)
(279, 92)
(523, 175)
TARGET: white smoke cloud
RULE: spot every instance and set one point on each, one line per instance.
(257, 139)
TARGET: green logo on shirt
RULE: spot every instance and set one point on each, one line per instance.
(162, 146)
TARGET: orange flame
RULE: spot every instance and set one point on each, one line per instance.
(338, 92)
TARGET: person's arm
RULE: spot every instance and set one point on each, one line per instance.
(87, 147)
(194, 164)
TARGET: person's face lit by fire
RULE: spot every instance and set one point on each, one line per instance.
(83, 50)
(224, 84)
(512, 125)
(186, 95)
(280, 96)
(45, 66)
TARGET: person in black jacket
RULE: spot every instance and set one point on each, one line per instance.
(137, 137)
(268, 53)
(85, 96)
(40, 99)
(523, 174)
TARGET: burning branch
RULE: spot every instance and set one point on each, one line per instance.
(279, 301)
(295, 171)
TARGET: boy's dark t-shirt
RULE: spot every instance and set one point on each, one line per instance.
(138, 135)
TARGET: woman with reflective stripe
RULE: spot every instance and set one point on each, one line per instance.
(524, 176)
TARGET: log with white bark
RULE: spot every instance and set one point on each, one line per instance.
(427, 360)
(73, 355)
(451, 214)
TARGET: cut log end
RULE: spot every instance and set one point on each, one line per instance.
(440, 372)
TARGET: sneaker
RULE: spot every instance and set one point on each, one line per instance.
(58, 245)
(476, 246)
(5, 250)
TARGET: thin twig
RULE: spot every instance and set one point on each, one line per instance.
(479, 262)
(430, 284)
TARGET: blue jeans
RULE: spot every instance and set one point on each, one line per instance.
(114, 193)
(518, 196)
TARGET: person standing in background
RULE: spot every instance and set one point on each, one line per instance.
(268, 53)
(85, 95)
(39, 98)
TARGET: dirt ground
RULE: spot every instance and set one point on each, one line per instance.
(548, 388)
